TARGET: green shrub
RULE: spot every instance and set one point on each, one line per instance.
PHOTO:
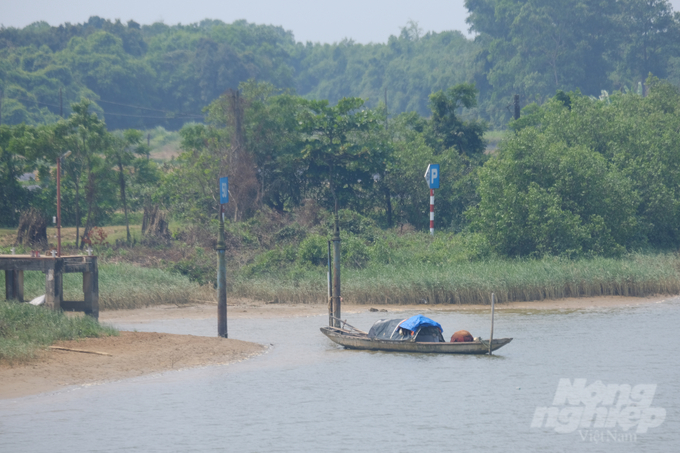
(354, 252)
(313, 250)
(271, 262)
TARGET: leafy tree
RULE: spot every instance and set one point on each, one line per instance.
(598, 178)
(652, 33)
(540, 46)
(336, 156)
(547, 198)
(85, 135)
(13, 197)
(121, 153)
(447, 127)
(190, 189)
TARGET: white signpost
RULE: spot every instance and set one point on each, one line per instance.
(432, 177)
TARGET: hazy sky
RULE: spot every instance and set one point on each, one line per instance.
(310, 20)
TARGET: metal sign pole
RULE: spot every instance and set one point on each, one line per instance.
(432, 177)
(432, 212)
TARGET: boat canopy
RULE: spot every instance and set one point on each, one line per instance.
(388, 329)
(411, 329)
(414, 323)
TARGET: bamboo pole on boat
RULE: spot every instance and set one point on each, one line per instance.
(493, 302)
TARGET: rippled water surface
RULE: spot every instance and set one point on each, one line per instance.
(307, 394)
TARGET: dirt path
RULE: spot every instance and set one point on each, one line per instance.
(137, 353)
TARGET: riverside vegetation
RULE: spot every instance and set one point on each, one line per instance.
(579, 197)
(25, 329)
(378, 267)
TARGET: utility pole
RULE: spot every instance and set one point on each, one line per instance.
(516, 102)
(61, 105)
(1, 94)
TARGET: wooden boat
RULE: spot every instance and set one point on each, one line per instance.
(353, 338)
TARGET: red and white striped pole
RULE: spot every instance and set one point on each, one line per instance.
(432, 212)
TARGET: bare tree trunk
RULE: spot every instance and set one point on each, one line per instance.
(121, 181)
(388, 203)
(77, 211)
(90, 202)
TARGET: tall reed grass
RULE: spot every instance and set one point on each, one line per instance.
(24, 329)
(473, 282)
(125, 286)
(121, 286)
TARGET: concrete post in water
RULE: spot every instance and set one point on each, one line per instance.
(330, 288)
(221, 281)
(337, 309)
(493, 302)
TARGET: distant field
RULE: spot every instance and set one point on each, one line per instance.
(68, 235)
(493, 138)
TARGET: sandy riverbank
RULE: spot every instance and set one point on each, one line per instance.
(243, 308)
(137, 353)
(128, 355)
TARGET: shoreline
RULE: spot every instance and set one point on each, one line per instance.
(134, 354)
(248, 309)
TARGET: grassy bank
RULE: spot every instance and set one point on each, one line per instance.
(24, 329)
(122, 285)
(377, 267)
(473, 282)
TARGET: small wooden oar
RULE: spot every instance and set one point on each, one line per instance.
(80, 350)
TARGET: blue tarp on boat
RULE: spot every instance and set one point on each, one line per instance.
(420, 329)
(416, 322)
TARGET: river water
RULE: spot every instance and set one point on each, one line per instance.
(306, 394)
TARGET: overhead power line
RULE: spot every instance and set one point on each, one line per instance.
(179, 116)
(145, 108)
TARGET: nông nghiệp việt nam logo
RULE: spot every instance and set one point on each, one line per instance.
(602, 407)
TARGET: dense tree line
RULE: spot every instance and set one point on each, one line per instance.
(104, 172)
(582, 172)
(280, 151)
(140, 76)
(576, 176)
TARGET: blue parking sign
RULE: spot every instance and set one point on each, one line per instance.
(432, 176)
(224, 190)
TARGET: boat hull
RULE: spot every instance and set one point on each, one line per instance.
(358, 341)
